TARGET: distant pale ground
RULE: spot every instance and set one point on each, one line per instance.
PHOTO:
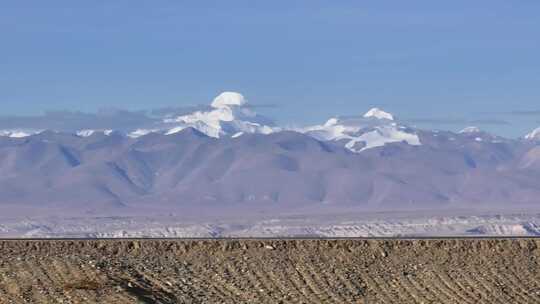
(456, 223)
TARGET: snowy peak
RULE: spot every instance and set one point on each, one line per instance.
(229, 116)
(534, 135)
(382, 135)
(375, 129)
(378, 114)
(228, 99)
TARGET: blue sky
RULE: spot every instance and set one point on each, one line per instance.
(442, 64)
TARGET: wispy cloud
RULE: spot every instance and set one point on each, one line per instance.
(457, 121)
(525, 113)
(177, 111)
(117, 119)
(530, 112)
(262, 106)
(493, 121)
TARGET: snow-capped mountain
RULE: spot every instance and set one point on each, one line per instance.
(534, 135)
(374, 129)
(285, 170)
(185, 161)
(229, 116)
(379, 114)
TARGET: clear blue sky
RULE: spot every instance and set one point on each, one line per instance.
(438, 63)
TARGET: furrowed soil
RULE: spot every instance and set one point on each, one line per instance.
(270, 271)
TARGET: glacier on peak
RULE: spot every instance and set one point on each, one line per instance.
(228, 116)
(227, 99)
(378, 114)
(362, 133)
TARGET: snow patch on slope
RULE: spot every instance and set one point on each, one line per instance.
(534, 135)
(90, 132)
(140, 132)
(17, 133)
(470, 130)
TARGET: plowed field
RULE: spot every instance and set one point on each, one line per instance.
(270, 271)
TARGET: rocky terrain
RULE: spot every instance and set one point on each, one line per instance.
(270, 271)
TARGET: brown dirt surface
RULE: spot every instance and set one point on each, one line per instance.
(270, 271)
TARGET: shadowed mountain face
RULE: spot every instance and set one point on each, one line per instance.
(280, 172)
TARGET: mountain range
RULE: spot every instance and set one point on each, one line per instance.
(227, 158)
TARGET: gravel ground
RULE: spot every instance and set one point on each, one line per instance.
(270, 271)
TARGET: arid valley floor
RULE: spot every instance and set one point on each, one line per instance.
(465, 270)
